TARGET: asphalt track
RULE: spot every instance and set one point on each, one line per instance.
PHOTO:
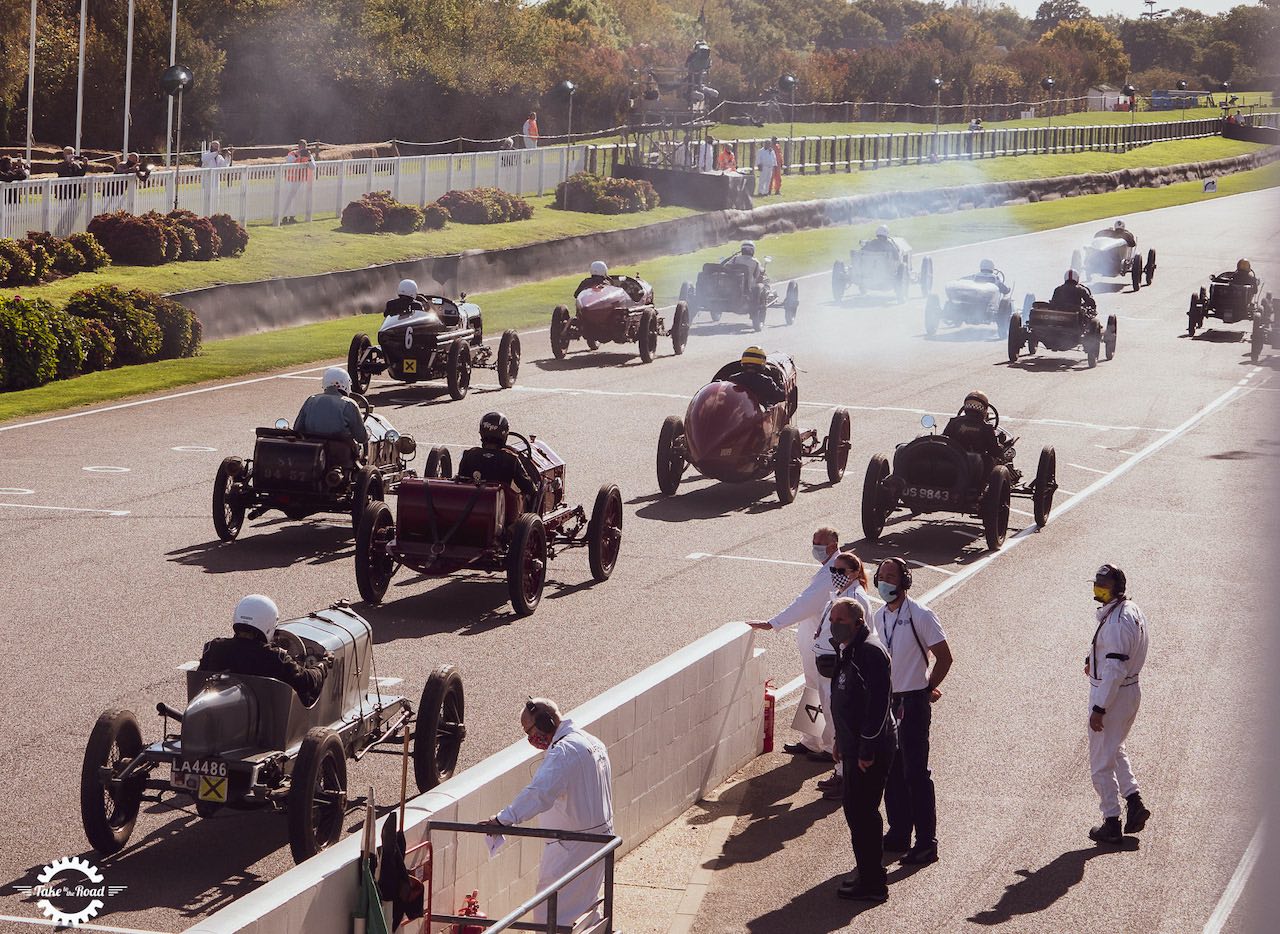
(113, 577)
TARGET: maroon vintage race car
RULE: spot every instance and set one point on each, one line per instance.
(737, 429)
(619, 310)
(445, 525)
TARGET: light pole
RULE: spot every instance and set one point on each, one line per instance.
(936, 81)
(567, 88)
(31, 76)
(175, 80)
(787, 85)
(173, 58)
(1046, 83)
(128, 79)
(84, 22)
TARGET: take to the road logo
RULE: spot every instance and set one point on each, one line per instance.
(70, 891)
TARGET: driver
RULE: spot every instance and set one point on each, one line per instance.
(754, 373)
(746, 256)
(882, 243)
(406, 299)
(1244, 274)
(251, 652)
(599, 276)
(330, 413)
(492, 461)
(972, 430)
(1117, 231)
(1072, 296)
(987, 272)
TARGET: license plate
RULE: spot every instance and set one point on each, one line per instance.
(927, 493)
(207, 779)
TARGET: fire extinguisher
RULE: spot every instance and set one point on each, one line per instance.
(770, 707)
(471, 909)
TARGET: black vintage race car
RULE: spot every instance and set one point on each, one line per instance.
(1231, 301)
(728, 286)
(1060, 329)
(936, 473)
(443, 339)
(301, 475)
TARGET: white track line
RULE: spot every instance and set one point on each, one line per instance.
(1218, 920)
(699, 555)
(109, 512)
(1083, 467)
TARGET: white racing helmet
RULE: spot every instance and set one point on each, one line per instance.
(882, 230)
(1071, 276)
(748, 248)
(987, 266)
(336, 376)
(257, 612)
(408, 288)
(1118, 225)
(599, 268)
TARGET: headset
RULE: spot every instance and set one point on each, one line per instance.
(905, 572)
(542, 719)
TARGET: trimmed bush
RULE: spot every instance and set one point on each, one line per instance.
(596, 194)
(22, 269)
(136, 331)
(4, 270)
(362, 216)
(485, 206)
(435, 216)
(98, 343)
(402, 219)
(70, 349)
(135, 240)
(67, 260)
(188, 245)
(40, 258)
(27, 344)
(180, 337)
(231, 233)
(95, 257)
(208, 243)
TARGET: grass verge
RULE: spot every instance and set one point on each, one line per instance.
(530, 305)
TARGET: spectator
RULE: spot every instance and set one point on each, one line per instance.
(707, 155)
(297, 178)
(14, 169)
(72, 166)
(766, 162)
(975, 125)
(507, 144)
(216, 157)
(133, 165)
(727, 162)
(775, 179)
(530, 131)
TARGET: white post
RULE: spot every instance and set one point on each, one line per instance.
(173, 60)
(31, 77)
(84, 22)
(128, 77)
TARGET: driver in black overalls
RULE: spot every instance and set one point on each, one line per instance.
(251, 652)
(406, 300)
(1072, 296)
(754, 373)
(492, 462)
(972, 431)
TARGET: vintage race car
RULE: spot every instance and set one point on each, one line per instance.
(442, 340)
(1231, 302)
(302, 475)
(1060, 330)
(875, 268)
(970, 300)
(727, 286)
(249, 742)
(620, 310)
(935, 473)
(728, 434)
(1110, 257)
(445, 525)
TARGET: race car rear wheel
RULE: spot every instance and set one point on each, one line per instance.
(680, 327)
(932, 314)
(995, 507)
(560, 331)
(1135, 271)
(1092, 342)
(439, 463)
(838, 444)
(791, 304)
(1045, 485)
(1149, 271)
(1193, 317)
(356, 354)
(1016, 337)
(787, 464)
(459, 368)
(926, 275)
(317, 801)
(108, 815)
(874, 508)
(839, 281)
(647, 339)
(439, 729)
(367, 489)
(1109, 337)
(671, 461)
(604, 532)
(508, 359)
(527, 563)
(228, 508)
(374, 567)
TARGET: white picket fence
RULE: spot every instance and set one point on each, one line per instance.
(266, 193)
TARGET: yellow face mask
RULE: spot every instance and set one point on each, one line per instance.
(1101, 594)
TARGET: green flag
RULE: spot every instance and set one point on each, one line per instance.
(369, 918)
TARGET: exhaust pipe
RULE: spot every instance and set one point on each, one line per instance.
(166, 711)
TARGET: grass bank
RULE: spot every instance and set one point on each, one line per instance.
(529, 306)
(320, 246)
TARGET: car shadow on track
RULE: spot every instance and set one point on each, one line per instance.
(419, 394)
(1214, 336)
(1039, 889)
(866, 303)
(713, 501)
(971, 334)
(288, 544)
(588, 359)
(1111, 288)
(1046, 364)
(927, 541)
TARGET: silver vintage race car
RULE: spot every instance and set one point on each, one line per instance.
(971, 300)
(1110, 255)
(249, 742)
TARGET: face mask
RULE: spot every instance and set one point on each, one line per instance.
(539, 740)
(888, 591)
(820, 554)
(840, 581)
(841, 633)
(1101, 594)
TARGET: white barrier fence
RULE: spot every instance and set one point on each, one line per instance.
(266, 193)
(674, 732)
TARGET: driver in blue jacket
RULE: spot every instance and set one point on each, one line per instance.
(972, 430)
(330, 413)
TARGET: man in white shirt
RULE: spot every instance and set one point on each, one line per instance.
(805, 613)
(707, 155)
(215, 158)
(573, 790)
(766, 162)
(911, 632)
(1116, 656)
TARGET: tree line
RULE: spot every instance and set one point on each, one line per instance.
(269, 71)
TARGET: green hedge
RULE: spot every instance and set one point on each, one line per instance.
(485, 206)
(152, 239)
(27, 344)
(378, 212)
(596, 194)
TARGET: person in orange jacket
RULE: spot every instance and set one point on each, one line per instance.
(775, 183)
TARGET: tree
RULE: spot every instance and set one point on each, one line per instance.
(1218, 61)
(1103, 52)
(1052, 12)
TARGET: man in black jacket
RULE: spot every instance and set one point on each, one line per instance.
(866, 736)
(251, 652)
(492, 462)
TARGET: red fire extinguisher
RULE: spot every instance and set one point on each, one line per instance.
(770, 707)
(471, 909)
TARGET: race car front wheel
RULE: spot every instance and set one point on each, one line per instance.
(680, 327)
(459, 369)
(671, 461)
(560, 331)
(527, 563)
(786, 465)
(508, 359)
(374, 567)
(838, 445)
(108, 814)
(604, 532)
(228, 508)
(368, 489)
(1149, 272)
(356, 354)
(647, 338)
(875, 511)
(317, 801)
(1045, 485)
(1135, 271)
(995, 508)
(1016, 337)
(1109, 338)
(439, 729)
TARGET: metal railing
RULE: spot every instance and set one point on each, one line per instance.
(511, 921)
